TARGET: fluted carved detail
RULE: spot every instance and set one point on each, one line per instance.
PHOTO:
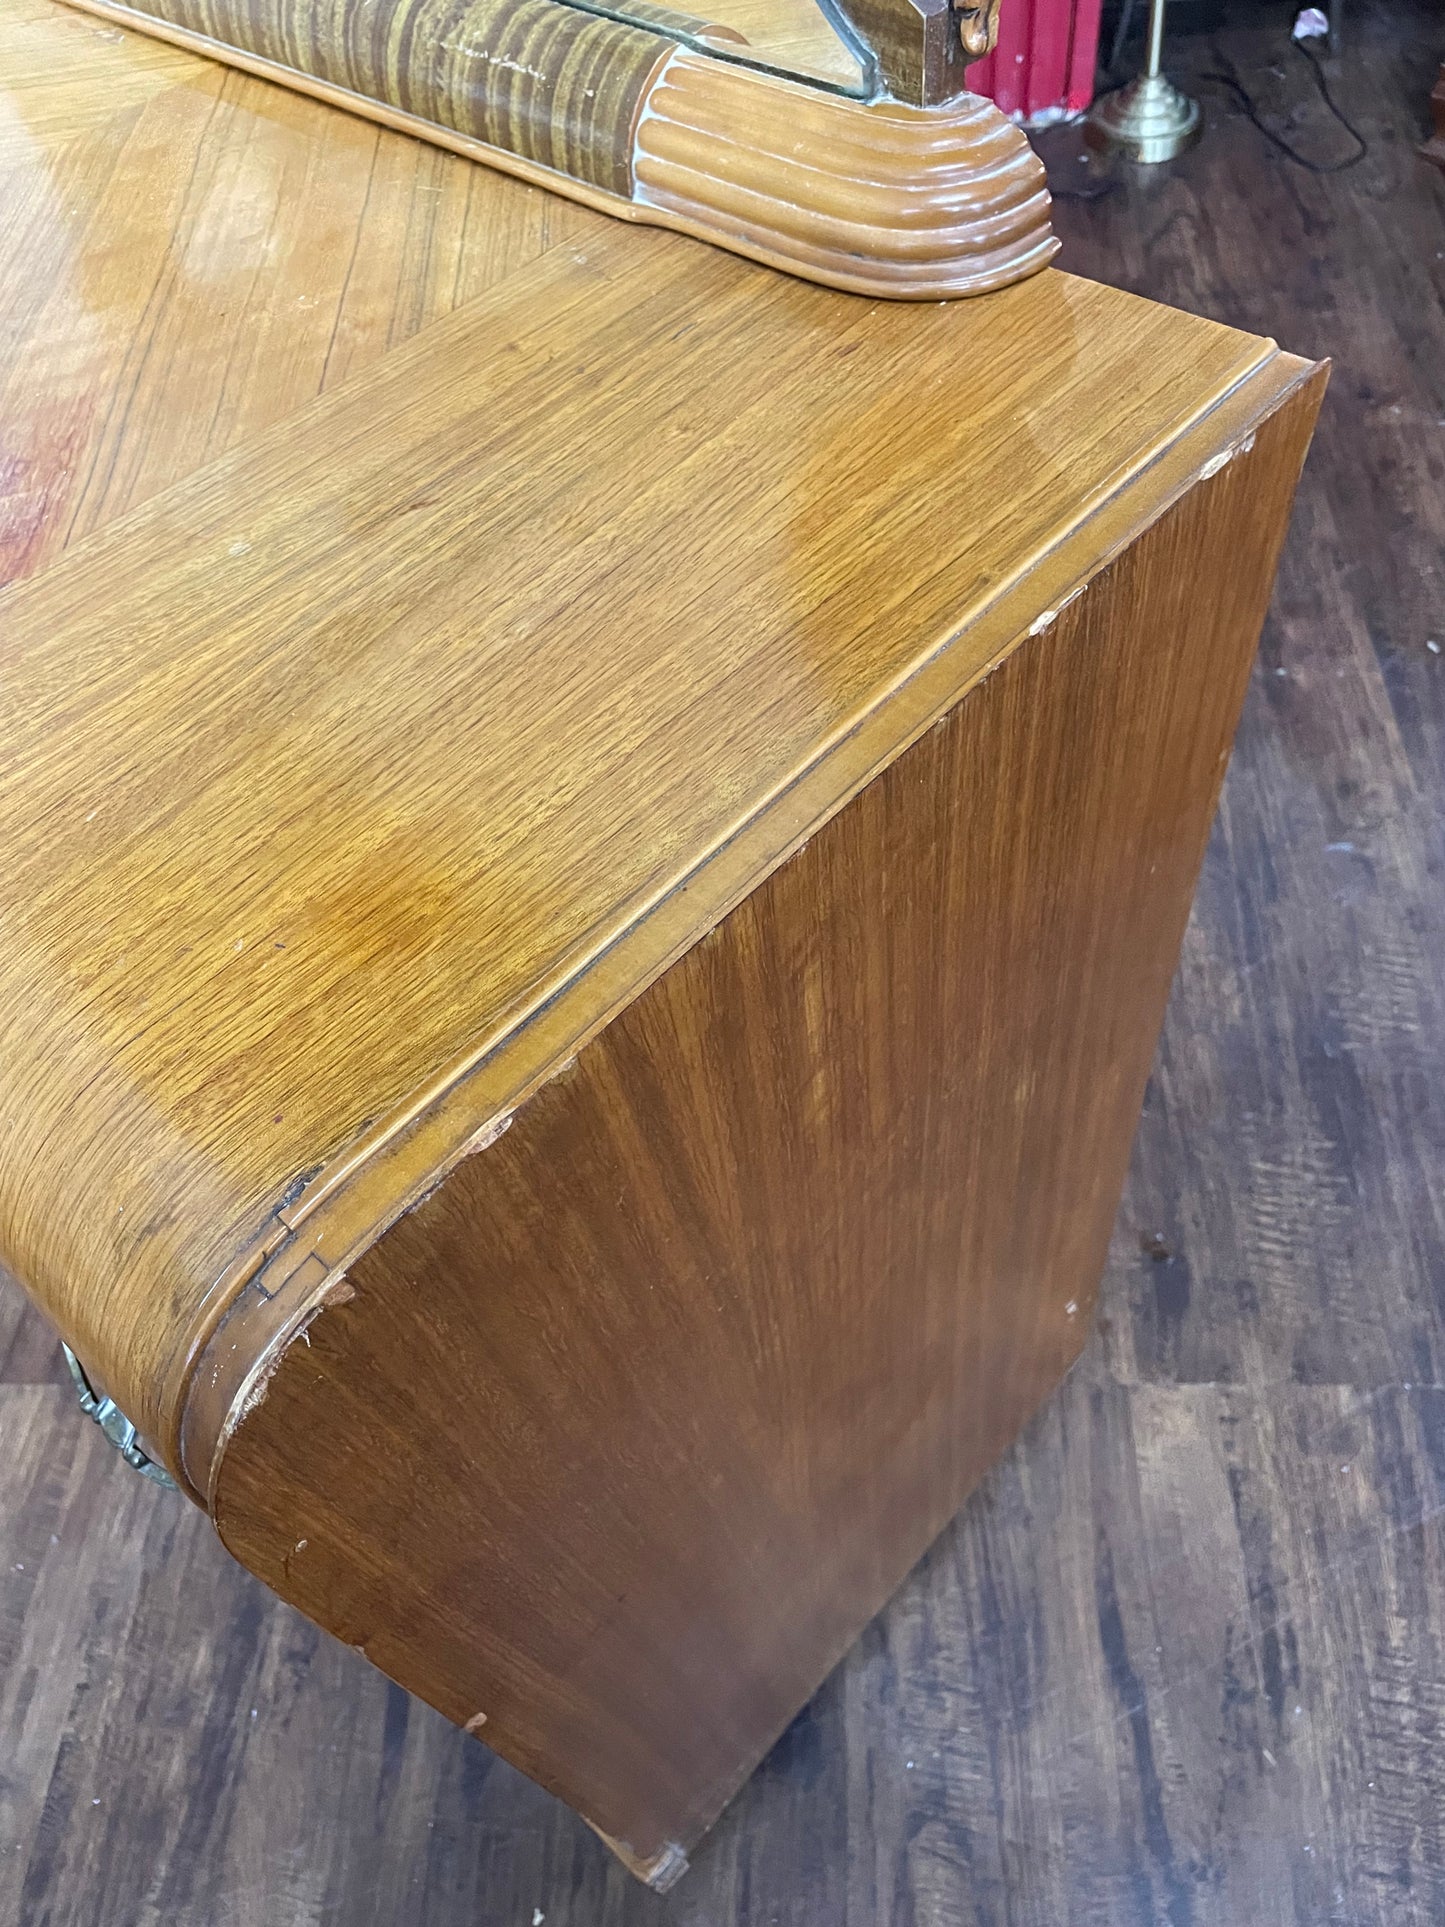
(879, 197)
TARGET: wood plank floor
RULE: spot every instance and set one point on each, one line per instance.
(1183, 1658)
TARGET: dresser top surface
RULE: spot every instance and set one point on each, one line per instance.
(327, 767)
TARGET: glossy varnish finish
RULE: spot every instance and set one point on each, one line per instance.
(406, 722)
(347, 835)
(190, 255)
(611, 1446)
(357, 785)
(1180, 1655)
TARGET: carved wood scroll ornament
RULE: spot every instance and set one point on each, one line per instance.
(978, 28)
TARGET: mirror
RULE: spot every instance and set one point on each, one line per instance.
(912, 51)
(800, 38)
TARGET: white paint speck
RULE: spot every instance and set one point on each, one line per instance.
(1071, 1308)
(492, 59)
(239, 548)
(537, 1917)
(1433, 646)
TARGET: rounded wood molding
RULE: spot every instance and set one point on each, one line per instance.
(875, 197)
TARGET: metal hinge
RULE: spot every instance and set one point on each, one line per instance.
(114, 1423)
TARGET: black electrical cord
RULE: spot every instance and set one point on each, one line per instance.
(1109, 186)
(1245, 100)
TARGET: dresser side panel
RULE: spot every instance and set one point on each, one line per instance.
(612, 1446)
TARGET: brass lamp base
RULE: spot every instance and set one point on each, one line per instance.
(1149, 120)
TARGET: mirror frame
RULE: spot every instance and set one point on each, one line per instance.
(913, 189)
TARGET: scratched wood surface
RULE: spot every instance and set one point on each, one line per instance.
(752, 1292)
(384, 777)
(1181, 1658)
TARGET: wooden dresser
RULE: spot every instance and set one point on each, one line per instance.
(592, 845)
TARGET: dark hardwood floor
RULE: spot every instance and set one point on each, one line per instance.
(1182, 1659)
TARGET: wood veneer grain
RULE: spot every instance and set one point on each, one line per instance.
(168, 672)
(611, 1445)
(188, 255)
(1083, 1704)
(556, 84)
(335, 764)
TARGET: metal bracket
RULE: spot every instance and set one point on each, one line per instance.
(115, 1425)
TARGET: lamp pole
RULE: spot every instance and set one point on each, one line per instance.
(1150, 119)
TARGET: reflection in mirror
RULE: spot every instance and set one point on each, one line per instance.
(796, 37)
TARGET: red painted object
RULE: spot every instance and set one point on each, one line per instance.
(1042, 67)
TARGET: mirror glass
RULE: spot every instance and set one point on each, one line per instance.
(799, 38)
